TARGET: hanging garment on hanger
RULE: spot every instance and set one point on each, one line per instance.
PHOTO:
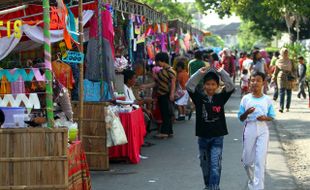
(5, 87)
(63, 73)
(107, 28)
(18, 86)
(95, 70)
(92, 91)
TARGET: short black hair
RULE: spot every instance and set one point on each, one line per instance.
(181, 64)
(245, 71)
(277, 53)
(163, 57)
(259, 74)
(301, 58)
(128, 74)
(211, 76)
(2, 117)
(199, 54)
(215, 56)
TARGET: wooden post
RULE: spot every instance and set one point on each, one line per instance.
(81, 66)
(48, 64)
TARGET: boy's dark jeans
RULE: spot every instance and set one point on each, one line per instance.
(210, 155)
(165, 107)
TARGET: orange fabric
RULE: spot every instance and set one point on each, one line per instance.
(67, 39)
(57, 22)
(63, 73)
(182, 78)
(5, 87)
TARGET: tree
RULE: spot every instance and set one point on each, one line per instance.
(248, 38)
(171, 8)
(269, 16)
(214, 41)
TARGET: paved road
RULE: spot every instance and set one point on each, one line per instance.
(173, 163)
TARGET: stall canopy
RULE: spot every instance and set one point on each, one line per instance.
(30, 13)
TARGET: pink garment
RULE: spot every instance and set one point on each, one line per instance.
(107, 28)
(37, 74)
(17, 87)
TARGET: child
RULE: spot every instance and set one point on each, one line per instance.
(256, 110)
(182, 78)
(302, 72)
(210, 119)
(244, 82)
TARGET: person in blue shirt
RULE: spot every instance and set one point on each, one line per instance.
(256, 110)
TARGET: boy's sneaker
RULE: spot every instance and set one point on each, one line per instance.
(181, 118)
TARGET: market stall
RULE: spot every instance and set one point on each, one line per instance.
(36, 154)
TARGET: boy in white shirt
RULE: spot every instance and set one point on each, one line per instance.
(256, 110)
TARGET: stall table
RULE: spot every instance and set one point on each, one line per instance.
(135, 129)
(79, 176)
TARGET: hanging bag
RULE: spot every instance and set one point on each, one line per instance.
(115, 130)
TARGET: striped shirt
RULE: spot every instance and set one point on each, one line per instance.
(164, 80)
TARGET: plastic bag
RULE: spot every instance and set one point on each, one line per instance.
(115, 130)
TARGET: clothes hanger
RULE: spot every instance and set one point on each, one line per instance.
(58, 58)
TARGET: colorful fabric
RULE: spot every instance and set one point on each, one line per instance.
(79, 176)
(92, 91)
(107, 28)
(5, 87)
(63, 73)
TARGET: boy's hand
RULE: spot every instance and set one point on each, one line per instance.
(250, 110)
(204, 70)
(219, 67)
(263, 118)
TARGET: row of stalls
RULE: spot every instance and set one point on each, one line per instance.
(60, 70)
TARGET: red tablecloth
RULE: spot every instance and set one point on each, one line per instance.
(79, 176)
(135, 130)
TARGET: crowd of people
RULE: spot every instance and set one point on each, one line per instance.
(205, 80)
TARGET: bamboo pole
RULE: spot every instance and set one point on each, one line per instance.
(48, 64)
(81, 66)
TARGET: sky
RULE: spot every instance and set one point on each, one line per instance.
(213, 18)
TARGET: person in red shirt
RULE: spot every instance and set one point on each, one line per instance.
(228, 62)
(242, 58)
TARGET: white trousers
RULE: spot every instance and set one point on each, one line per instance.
(255, 147)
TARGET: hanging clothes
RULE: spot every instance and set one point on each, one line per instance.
(96, 71)
(63, 73)
(107, 28)
(18, 86)
(92, 91)
(5, 87)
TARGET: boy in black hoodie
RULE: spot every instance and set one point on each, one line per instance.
(210, 119)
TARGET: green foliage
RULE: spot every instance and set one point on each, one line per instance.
(248, 37)
(267, 15)
(214, 41)
(171, 8)
(295, 50)
(272, 49)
